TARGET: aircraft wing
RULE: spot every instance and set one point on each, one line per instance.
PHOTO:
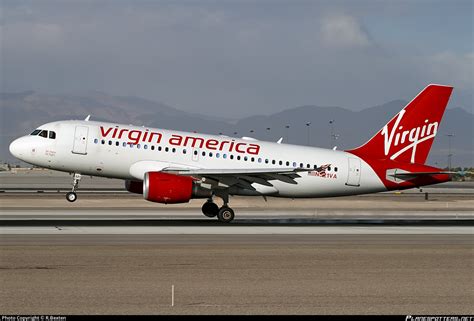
(244, 178)
(223, 178)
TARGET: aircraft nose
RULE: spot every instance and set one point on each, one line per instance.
(17, 148)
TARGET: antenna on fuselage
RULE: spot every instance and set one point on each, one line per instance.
(87, 118)
(280, 140)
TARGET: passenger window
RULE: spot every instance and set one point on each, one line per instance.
(44, 133)
(96, 141)
(280, 162)
(110, 142)
(174, 150)
(145, 146)
(36, 132)
(184, 151)
(117, 143)
(102, 141)
(52, 135)
(166, 149)
(124, 144)
(266, 160)
(152, 147)
(335, 169)
(287, 163)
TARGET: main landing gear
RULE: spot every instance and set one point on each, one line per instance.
(224, 214)
(72, 196)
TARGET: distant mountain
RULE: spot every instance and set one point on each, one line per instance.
(20, 113)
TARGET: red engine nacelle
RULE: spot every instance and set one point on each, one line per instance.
(171, 189)
(134, 186)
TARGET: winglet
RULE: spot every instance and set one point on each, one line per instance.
(280, 140)
(87, 118)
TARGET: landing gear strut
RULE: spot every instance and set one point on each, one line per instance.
(224, 214)
(72, 196)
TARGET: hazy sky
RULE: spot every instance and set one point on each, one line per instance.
(235, 58)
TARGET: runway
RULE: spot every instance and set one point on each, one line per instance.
(117, 254)
(187, 221)
(236, 274)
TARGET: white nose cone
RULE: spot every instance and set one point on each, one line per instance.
(17, 148)
(14, 148)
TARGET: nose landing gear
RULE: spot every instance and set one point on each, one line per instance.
(72, 196)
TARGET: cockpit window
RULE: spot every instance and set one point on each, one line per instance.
(35, 132)
(52, 135)
(44, 133)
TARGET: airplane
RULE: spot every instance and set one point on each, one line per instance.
(170, 167)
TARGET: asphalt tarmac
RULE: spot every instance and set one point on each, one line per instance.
(236, 274)
(113, 253)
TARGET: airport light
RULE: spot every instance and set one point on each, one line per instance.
(287, 134)
(268, 131)
(450, 155)
(307, 126)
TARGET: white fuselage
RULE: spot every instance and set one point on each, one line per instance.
(80, 147)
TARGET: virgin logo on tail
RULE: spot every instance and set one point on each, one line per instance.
(397, 136)
(408, 136)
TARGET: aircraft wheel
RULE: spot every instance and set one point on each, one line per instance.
(210, 209)
(226, 214)
(71, 196)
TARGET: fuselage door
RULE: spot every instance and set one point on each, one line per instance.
(353, 176)
(80, 140)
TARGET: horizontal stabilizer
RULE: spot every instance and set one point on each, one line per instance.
(404, 175)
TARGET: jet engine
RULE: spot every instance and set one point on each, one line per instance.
(171, 189)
